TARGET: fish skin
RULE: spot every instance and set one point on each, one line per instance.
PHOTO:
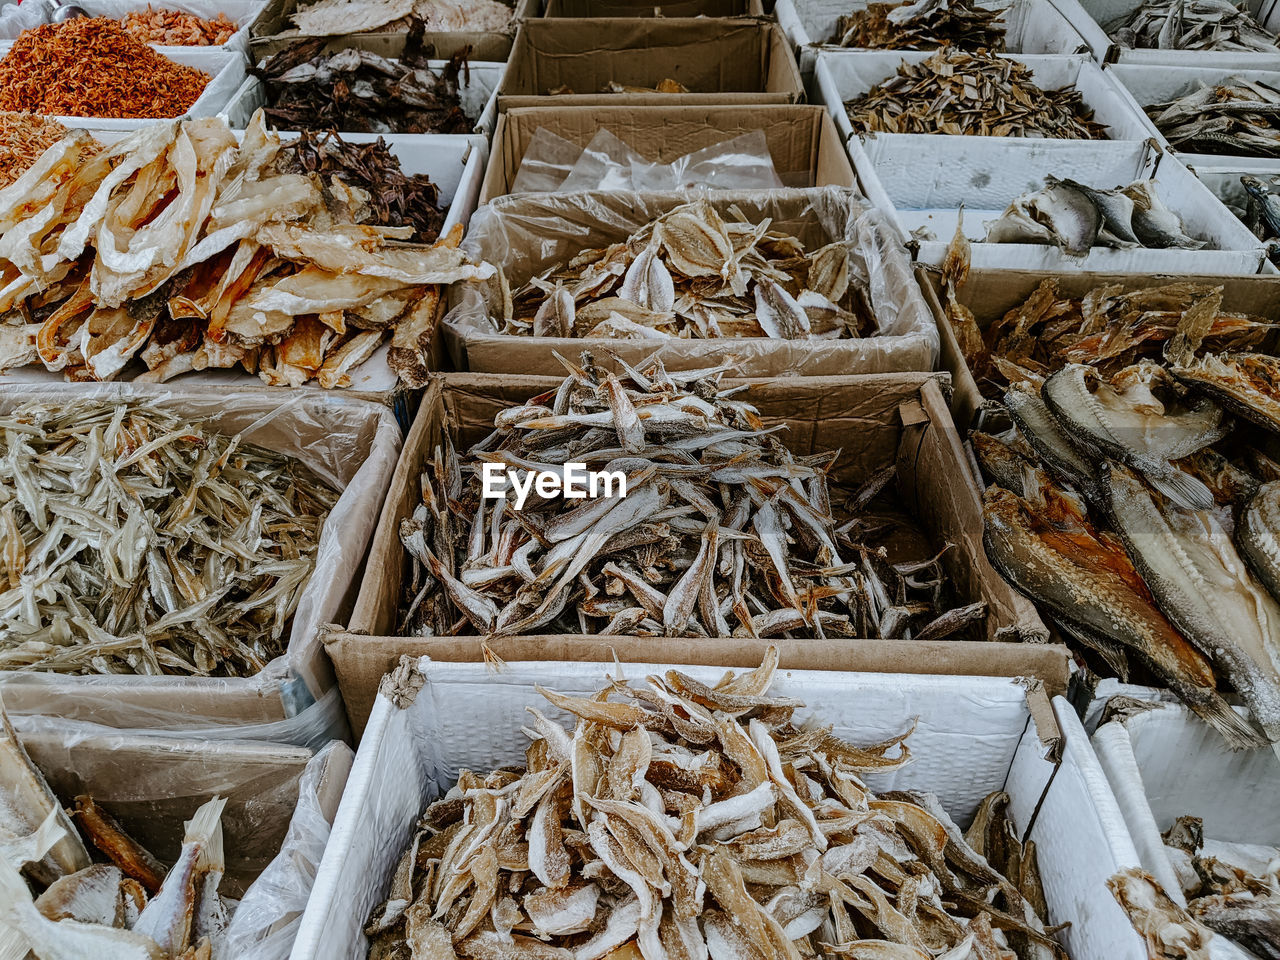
(92, 895)
(1155, 224)
(1192, 569)
(1038, 426)
(1258, 536)
(1246, 384)
(1070, 214)
(1253, 923)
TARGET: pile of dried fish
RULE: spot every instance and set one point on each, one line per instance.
(395, 199)
(681, 820)
(1166, 928)
(1192, 25)
(1077, 218)
(181, 248)
(1262, 212)
(137, 542)
(721, 530)
(1238, 117)
(974, 94)
(340, 17)
(923, 25)
(129, 908)
(356, 91)
(689, 273)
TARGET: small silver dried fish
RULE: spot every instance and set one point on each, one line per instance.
(1236, 117)
(1192, 25)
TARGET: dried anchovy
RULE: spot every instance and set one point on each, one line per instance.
(721, 531)
(975, 94)
(1192, 25)
(360, 92)
(137, 542)
(923, 25)
(395, 198)
(684, 820)
(1238, 117)
(690, 273)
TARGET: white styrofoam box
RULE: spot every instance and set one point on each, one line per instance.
(973, 735)
(1031, 26)
(242, 12)
(1145, 85)
(1224, 788)
(1089, 17)
(1111, 687)
(985, 174)
(843, 75)
(478, 91)
(226, 68)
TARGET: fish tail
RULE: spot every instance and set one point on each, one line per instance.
(205, 829)
(1183, 489)
(1235, 729)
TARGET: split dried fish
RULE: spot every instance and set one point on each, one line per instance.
(356, 91)
(722, 531)
(1237, 117)
(341, 17)
(1192, 25)
(179, 247)
(137, 542)
(1076, 218)
(681, 820)
(972, 94)
(923, 25)
(690, 273)
(1167, 929)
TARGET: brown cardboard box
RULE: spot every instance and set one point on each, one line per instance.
(803, 140)
(721, 61)
(527, 234)
(264, 39)
(654, 8)
(875, 420)
(990, 294)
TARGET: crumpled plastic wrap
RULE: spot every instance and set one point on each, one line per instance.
(352, 444)
(525, 235)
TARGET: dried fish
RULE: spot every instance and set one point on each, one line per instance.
(1167, 928)
(1237, 117)
(340, 17)
(769, 843)
(150, 544)
(972, 94)
(689, 273)
(923, 25)
(708, 526)
(1191, 25)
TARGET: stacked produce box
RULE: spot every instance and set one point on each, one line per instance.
(744, 480)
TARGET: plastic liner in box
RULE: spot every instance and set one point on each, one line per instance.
(351, 444)
(973, 735)
(524, 235)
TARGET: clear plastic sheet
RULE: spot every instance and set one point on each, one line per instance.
(267, 919)
(352, 444)
(553, 164)
(526, 235)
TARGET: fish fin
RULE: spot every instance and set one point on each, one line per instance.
(1235, 729)
(36, 846)
(205, 828)
(13, 945)
(1182, 488)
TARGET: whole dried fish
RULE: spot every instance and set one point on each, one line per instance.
(1237, 117)
(690, 273)
(923, 25)
(722, 531)
(681, 820)
(973, 94)
(1191, 25)
(147, 544)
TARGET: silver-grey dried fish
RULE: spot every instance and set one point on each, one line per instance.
(1237, 117)
(148, 544)
(1192, 25)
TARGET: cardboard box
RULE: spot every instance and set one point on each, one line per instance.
(1209, 781)
(720, 61)
(524, 235)
(806, 149)
(353, 444)
(990, 294)
(269, 35)
(650, 8)
(843, 75)
(973, 735)
(983, 175)
(1143, 85)
(899, 419)
(1089, 17)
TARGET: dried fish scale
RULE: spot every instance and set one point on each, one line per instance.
(147, 544)
(972, 94)
(923, 25)
(722, 531)
(1237, 117)
(773, 839)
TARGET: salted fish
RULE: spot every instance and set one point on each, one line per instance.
(169, 918)
(1246, 384)
(1251, 921)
